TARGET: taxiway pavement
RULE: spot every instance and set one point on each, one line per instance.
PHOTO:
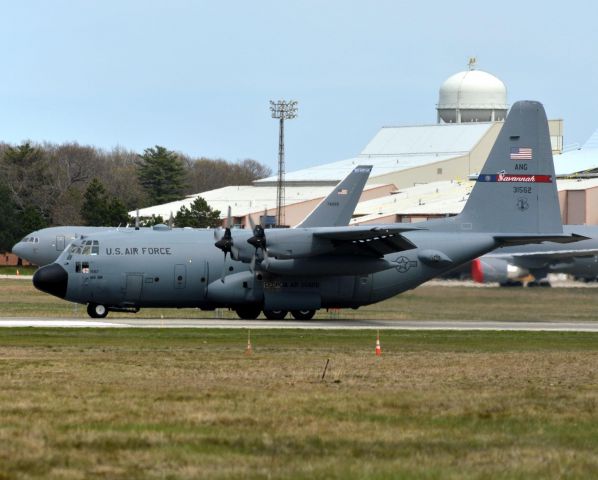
(338, 324)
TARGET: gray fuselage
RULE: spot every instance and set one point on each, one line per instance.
(183, 268)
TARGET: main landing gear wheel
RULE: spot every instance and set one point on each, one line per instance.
(303, 314)
(248, 312)
(275, 314)
(511, 283)
(96, 311)
(541, 283)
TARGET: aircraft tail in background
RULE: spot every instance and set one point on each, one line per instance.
(337, 208)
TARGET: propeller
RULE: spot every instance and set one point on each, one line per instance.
(258, 240)
(170, 220)
(137, 220)
(225, 243)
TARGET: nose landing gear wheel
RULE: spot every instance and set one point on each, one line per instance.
(248, 312)
(96, 311)
(275, 314)
(303, 314)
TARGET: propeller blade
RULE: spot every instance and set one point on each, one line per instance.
(229, 218)
(223, 269)
(170, 220)
(263, 219)
(137, 220)
(251, 222)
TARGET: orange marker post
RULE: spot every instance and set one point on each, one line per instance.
(248, 350)
(378, 348)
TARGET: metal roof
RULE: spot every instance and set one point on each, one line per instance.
(577, 184)
(398, 148)
(243, 199)
(437, 198)
(444, 138)
(576, 161)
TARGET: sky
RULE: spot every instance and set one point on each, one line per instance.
(197, 76)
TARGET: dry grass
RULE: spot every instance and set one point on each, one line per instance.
(189, 404)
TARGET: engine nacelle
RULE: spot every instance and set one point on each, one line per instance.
(489, 269)
(236, 289)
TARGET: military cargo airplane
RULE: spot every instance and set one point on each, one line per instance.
(510, 265)
(44, 246)
(307, 268)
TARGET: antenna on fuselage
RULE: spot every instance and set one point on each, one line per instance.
(137, 220)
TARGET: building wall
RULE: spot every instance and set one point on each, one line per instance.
(555, 129)
(458, 168)
(10, 259)
(563, 205)
(576, 207)
(592, 206)
(579, 207)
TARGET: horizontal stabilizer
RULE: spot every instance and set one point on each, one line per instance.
(551, 254)
(524, 239)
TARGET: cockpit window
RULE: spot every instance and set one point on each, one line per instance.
(87, 247)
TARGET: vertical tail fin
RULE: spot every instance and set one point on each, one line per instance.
(336, 209)
(516, 191)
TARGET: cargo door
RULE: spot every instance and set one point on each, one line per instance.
(133, 287)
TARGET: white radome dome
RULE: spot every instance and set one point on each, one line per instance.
(472, 96)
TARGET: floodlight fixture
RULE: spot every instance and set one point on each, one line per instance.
(281, 110)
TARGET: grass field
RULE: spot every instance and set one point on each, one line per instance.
(124, 404)
(12, 270)
(170, 404)
(18, 298)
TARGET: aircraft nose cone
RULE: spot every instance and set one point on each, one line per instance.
(18, 249)
(51, 279)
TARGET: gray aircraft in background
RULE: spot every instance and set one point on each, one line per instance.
(514, 202)
(509, 266)
(43, 247)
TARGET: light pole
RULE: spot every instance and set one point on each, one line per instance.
(282, 110)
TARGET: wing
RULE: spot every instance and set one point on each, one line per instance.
(364, 240)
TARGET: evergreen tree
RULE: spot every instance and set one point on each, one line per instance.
(116, 213)
(198, 215)
(10, 230)
(99, 209)
(162, 175)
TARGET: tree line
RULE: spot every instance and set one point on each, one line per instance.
(47, 184)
